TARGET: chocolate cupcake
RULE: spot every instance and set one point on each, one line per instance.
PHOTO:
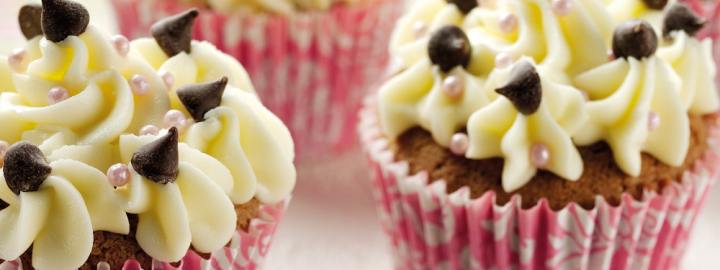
(539, 149)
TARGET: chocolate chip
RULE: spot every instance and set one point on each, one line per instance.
(30, 20)
(174, 33)
(634, 38)
(25, 168)
(201, 98)
(63, 18)
(449, 47)
(465, 6)
(158, 160)
(656, 4)
(524, 89)
(681, 17)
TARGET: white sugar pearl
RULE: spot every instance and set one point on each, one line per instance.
(121, 44)
(453, 86)
(15, 59)
(167, 78)
(149, 130)
(175, 118)
(459, 144)
(57, 94)
(562, 7)
(503, 60)
(140, 84)
(118, 175)
(653, 121)
(540, 155)
(508, 22)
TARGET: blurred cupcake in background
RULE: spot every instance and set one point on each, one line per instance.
(311, 61)
(537, 134)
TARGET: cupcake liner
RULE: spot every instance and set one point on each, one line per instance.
(246, 251)
(430, 229)
(312, 69)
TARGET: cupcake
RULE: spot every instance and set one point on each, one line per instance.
(109, 164)
(545, 135)
(311, 61)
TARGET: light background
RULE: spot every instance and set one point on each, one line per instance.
(333, 226)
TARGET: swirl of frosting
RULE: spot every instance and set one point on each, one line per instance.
(500, 130)
(58, 220)
(692, 60)
(252, 143)
(95, 77)
(626, 95)
(418, 96)
(192, 210)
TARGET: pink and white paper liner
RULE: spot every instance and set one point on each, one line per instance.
(247, 250)
(431, 229)
(312, 69)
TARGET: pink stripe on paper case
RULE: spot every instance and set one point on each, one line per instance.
(430, 229)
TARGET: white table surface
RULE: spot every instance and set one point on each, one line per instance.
(333, 225)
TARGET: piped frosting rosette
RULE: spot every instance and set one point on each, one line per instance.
(82, 103)
(55, 208)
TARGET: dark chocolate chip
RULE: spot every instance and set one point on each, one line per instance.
(174, 33)
(634, 38)
(25, 168)
(681, 17)
(656, 4)
(63, 18)
(524, 89)
(201, 98)
(30, 20)
(158, 160)
(449, 47)
(465, 6)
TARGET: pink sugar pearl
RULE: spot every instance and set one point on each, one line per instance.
(503, 60)
(562, 7)
(121, 44)
(57, 94)
(539, 155)
(453, 86)
(175, 118)
(16, 58)
(459, 144)
(118, 175)
(420, 29)
(508, 22)
(140, 84)
(653, 121)
(149, 130)
(167, 78)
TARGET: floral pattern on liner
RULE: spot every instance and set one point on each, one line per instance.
(246, 251)
(311, 69)
(430, 229)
